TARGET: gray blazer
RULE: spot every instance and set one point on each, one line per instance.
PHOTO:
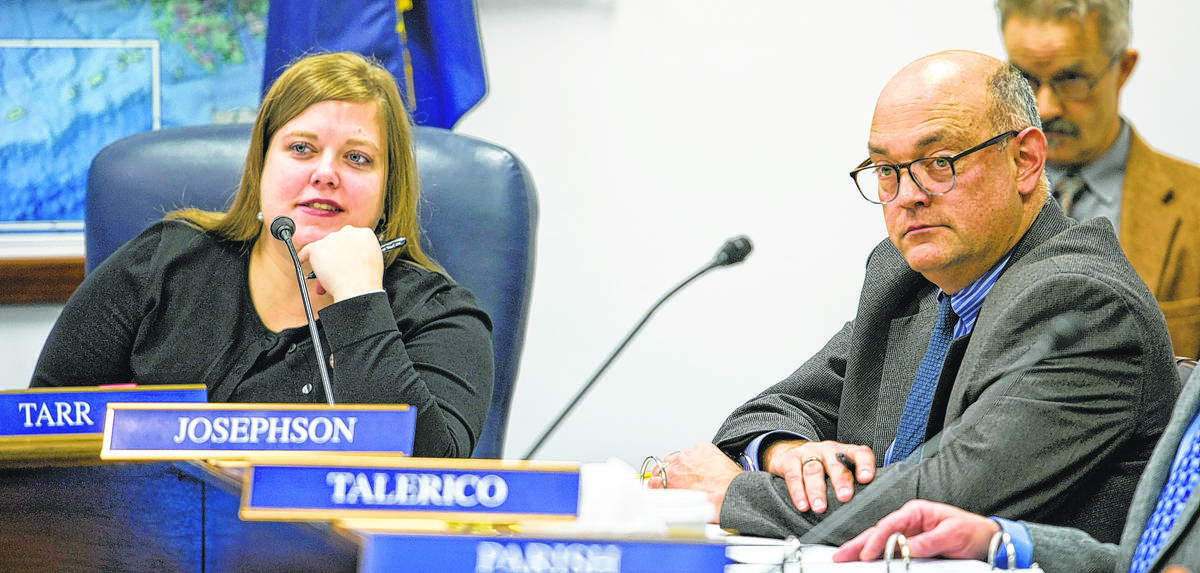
(1065, 549)
(1063, 441)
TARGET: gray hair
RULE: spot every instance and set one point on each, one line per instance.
(1115, 29)
(1011, 103)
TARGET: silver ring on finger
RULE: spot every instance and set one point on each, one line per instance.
(811, 459)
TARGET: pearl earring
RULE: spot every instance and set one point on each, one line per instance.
(259, 216)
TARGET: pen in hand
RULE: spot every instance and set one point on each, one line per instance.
(846, 461)
(383, 249)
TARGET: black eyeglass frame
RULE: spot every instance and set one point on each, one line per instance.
(866, 165)
(1035, 84)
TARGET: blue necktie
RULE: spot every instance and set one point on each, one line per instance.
(911, 431)
(1182, 482)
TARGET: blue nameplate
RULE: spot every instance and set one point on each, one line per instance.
(466, 554)
(422, 488)
(238, 431)
(78, 410)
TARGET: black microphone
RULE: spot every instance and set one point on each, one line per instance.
(732, 252)
(283, 228)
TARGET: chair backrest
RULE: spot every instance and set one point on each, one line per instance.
(478, 214)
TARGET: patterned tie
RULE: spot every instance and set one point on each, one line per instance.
(1181, 483)
(1068, 189)
(911, 431)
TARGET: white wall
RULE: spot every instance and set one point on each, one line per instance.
(23, 329)
(656, 129)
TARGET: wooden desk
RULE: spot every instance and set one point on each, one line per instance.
(64, 509)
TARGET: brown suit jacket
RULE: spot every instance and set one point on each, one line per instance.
(1160, 232)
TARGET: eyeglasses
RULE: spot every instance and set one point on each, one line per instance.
(1070, 85)
(880, 184)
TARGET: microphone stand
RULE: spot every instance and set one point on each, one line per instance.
(727, 256)
(283, 232)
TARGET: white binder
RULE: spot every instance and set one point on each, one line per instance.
(764, 555)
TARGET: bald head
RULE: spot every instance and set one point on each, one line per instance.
(946, 80)
(966, 174)
(945, 73)
(972, 86)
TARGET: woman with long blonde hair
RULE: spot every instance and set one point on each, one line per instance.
(212, 297)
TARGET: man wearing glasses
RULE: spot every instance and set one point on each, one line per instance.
(1076, 56)
(1003, 358)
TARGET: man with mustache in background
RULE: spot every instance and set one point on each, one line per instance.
(1076, 56)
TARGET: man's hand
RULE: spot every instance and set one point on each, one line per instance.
(703, 468)
(804, 465)
(933, 529)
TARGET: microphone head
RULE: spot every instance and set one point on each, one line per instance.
(733, 251)
(282, 228)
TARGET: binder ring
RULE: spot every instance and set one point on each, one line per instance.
(793, 555)
(1001, 538)
(651, 463)
(892, 541)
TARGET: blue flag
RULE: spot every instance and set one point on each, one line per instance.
(439, 37)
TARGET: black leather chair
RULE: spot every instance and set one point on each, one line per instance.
(478, 213)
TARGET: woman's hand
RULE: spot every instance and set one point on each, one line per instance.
(347, 263)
